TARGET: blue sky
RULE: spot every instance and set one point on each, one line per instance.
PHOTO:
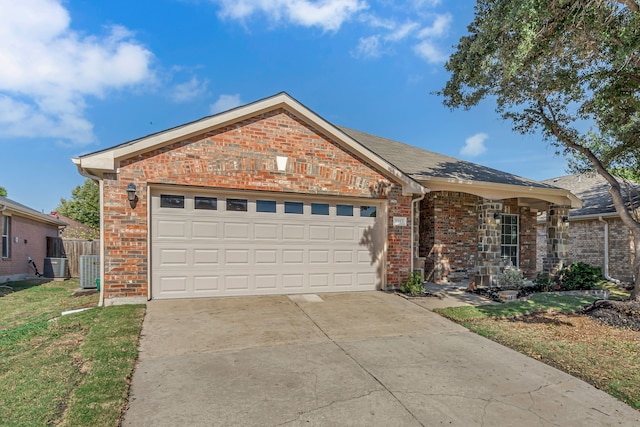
(81, 75)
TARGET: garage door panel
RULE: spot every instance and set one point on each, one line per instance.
(237, 282)
(265, 231)
(206, 253)
(173, 257)
(319, 256)
(171, 229)
(293, 256)
(292, 232)
(266, 281)
(344, 233)
(237, 256)
(235, 230)
(204, 230)
(205, 283)
(206, 257)
(293, 281)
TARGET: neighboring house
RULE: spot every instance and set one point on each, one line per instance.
(75, 229)
(24, 234)
(598, 236)
(270, 198)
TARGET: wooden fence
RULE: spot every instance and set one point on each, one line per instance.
(71, 249)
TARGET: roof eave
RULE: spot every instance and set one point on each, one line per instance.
(498, 191)
(104, 161)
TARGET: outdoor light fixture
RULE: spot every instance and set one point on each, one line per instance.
(496, 216)
(565, 220)
(131, 194)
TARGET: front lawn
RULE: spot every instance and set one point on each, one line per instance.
(550, 328)
(64, 370)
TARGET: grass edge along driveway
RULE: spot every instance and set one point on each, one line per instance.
(64, 370)
(549, 328)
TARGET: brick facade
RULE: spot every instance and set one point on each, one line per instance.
(586, 244)
(243, 157)
(460, 239)
(448, 235)
(32, 242)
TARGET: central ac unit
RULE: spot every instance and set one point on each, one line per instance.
(89, 270)
(56, 268)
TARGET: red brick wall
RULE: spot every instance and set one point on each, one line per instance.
(242, 156)
(449, 235)
(35, 233)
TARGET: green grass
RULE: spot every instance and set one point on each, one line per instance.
(537, 302)
(71, 370)
(548, 328)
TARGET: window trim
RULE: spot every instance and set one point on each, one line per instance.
(510, 245)
(6, 237)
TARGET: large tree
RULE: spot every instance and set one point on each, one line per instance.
(3, 192)
(84, 204)
(567, 69)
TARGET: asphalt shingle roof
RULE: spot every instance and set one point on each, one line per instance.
(592, 189)
(422, 164)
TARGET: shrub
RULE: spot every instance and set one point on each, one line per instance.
(579, 276)
(510, 278)
(544, 282)
(414, 285)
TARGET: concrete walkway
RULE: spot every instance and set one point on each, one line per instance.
(354, 359)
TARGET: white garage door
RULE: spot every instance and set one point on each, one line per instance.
(208, 244)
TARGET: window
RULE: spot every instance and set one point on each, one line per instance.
(509, 239)
(6, 238)
(293, 207)
(237, 205)
(368, 211)
(208, 203)
(170, 201)
(319, 209)
(268, 206)
(344, 210)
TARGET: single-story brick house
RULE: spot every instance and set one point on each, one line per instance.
(24, 234)
(598, 235)
(270, 198)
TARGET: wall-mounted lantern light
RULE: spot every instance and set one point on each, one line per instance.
(565, 220)
(496, 216)
(131, 194)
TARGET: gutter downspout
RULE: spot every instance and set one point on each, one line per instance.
(605, 271)
(413, 220)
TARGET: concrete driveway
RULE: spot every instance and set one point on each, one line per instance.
(356, 359)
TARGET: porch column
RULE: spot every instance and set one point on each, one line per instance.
(557, 239)
(489, 261)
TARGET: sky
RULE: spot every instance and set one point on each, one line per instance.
(78, 76)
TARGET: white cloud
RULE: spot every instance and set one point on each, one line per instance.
(189, 90)
(368, 47)
(429, 51)
(402, 32)
(474, 145)
(439, 28)
(326, 14)
(225, 102)
(48, 70)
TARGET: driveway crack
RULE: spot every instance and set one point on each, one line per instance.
(371, 374)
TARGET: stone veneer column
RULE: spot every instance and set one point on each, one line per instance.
(489, 260)
(557, 239)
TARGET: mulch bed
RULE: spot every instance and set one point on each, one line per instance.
(623, 314)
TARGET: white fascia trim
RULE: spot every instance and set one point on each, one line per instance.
(108, 160)
(497, 191)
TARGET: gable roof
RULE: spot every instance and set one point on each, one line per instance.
(440, 172)
(107, 160)
(13, 207)
(593, 189)
(418, 170)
